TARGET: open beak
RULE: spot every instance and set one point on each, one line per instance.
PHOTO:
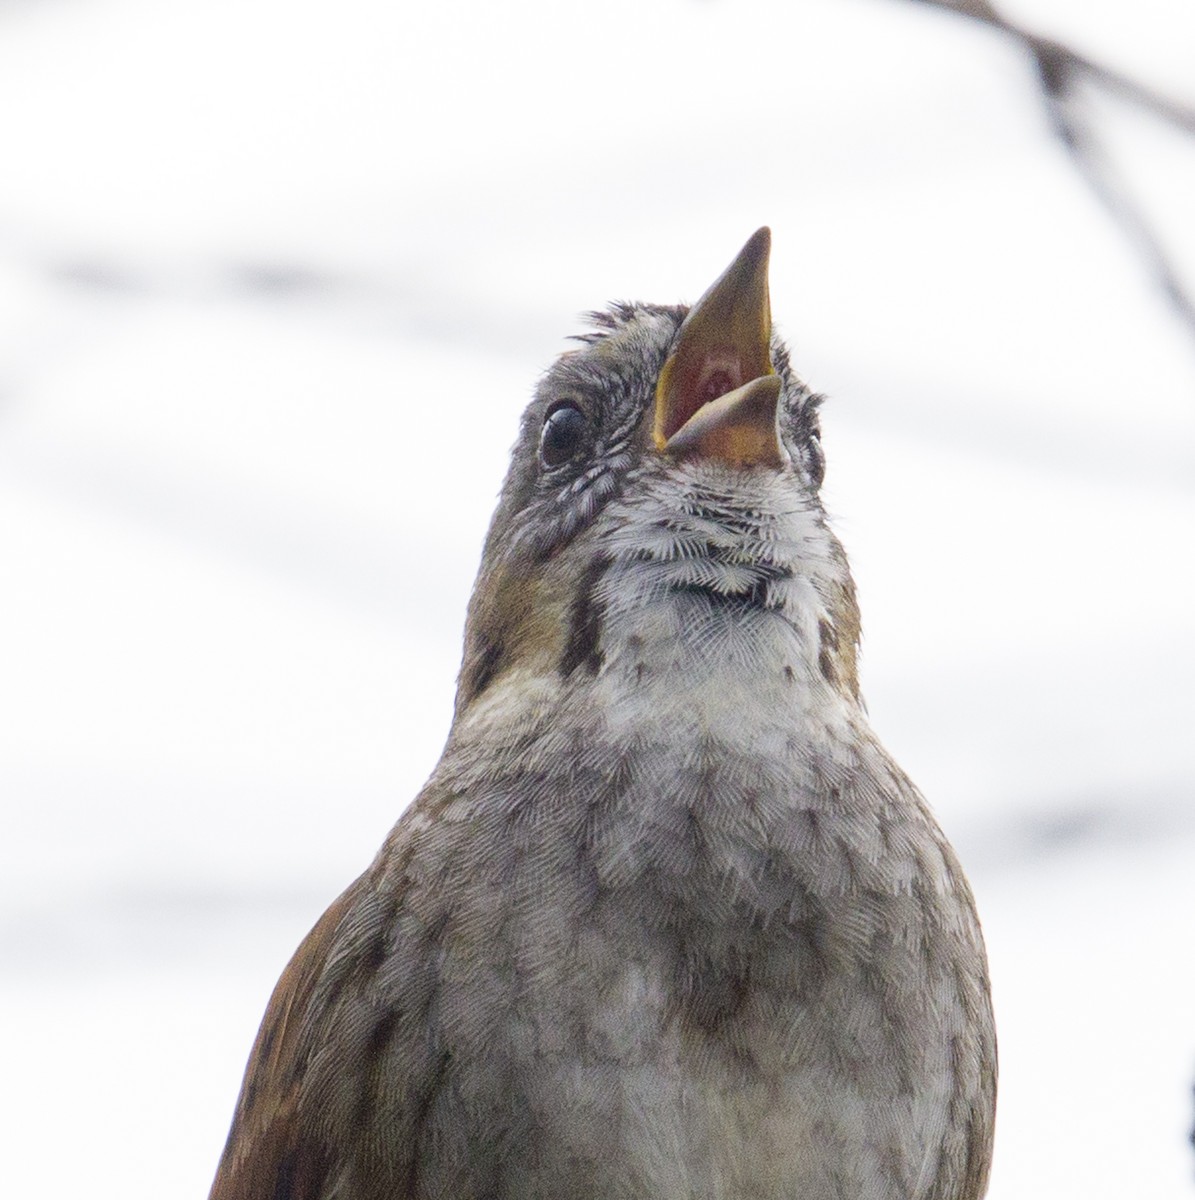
(717, 393)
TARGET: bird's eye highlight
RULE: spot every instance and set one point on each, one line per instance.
(562, 435)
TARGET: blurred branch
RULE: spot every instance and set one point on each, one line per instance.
(1060, 71)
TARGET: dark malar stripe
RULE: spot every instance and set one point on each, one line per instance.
(582, 647)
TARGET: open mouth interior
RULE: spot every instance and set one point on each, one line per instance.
(695, 385)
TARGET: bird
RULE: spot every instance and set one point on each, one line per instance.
(666, 921)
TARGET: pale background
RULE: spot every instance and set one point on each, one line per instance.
(276, 279)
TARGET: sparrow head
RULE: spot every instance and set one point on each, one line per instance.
(672, 462)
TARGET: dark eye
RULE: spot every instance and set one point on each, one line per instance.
(562, 435)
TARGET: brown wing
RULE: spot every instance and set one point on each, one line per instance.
(349, 1056)
(270, 1154)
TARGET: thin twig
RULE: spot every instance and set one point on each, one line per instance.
(1060, 70)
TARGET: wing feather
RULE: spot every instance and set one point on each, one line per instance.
(271, 1153)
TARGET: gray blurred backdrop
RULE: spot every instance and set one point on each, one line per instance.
(276, 278)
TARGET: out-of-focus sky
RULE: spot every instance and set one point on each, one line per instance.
(275, 282)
